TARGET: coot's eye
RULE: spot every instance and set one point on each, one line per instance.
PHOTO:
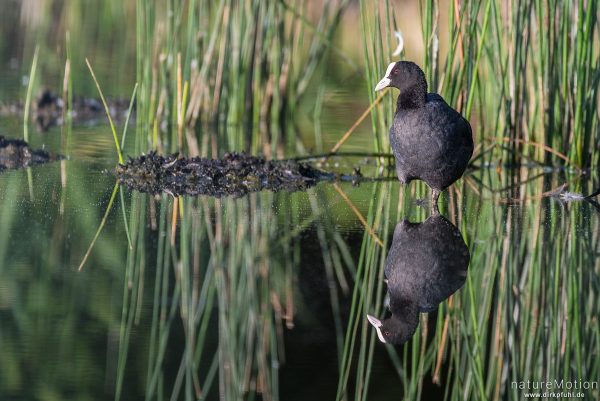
(396, 71)
(387, 333)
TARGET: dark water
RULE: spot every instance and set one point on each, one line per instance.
(266, 296)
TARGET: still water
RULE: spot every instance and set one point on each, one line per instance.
(266, 296)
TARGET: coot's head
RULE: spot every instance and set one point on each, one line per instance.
(396, 329)
(402, 75)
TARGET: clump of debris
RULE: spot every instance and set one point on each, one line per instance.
(236, 174)
(16, 153)
(48, 110)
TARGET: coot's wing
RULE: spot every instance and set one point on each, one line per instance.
(446, 123)
(449, 137)
(413, 139)
(432, 143)
(434, 97)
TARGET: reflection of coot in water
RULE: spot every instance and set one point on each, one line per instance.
(426, 264)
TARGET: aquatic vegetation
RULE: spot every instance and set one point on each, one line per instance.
(236, 174)
(16, 153)
(511, 315)
(244, 63)
(49, 110)
(520, 70)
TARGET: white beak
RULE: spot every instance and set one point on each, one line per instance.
(377, 324)
(384, 83)
(374, 321)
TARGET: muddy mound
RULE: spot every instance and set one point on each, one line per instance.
(48, 109)
(236, 174)
(16, 153)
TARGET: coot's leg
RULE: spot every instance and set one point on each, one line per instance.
(435, 194)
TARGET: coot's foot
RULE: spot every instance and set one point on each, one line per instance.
(435, 194)
(423, 202)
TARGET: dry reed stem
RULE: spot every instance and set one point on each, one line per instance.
(469, 182)
(457, 19)
(535, 144)
(179, 104)
(358, 214)
(360, 120)
(440, 355)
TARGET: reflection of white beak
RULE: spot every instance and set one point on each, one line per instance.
(384, 83)
(377, 324)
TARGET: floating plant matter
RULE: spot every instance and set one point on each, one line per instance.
(236, 174)
(16, 153)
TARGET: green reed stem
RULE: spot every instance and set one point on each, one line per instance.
(101, 226)
(112, 125)
(26, 112)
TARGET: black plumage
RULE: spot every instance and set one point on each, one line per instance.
(426, 263)
(431, 141)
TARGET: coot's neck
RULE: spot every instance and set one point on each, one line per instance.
(401, 306)
(413, 96)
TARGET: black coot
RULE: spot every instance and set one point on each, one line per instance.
(431, 141)
(426, 263)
